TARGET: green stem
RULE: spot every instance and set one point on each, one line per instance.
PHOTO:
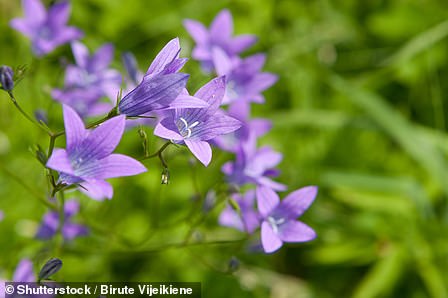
(28, 188)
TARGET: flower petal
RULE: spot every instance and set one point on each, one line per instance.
(211, 93)
(267, 200)
(58, 14)
(185, 101)
(221, 29)
(74, 128)
(81, 54)
(270, 241)
(153, 93)
(297, 202)
(118, 165)
(216, 125)
(169, 52)
(241, 43)
(168, 130)
(35, 12)
(223, 64)
(97, 189)
(268, 182)
(103, 139)
(59, 161)
(295, 231)
(102, 58)
(201, 150)
(197, 31)
(24, 272)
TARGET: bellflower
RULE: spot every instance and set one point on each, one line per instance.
(245, 81)
(218, 36)
(195, 127)
(89, 80)
(160, 86)
(279, 218)
(46, 29)
(88, 158)
(50, 223)
(248, 220)
(250, 130)
(254, 166)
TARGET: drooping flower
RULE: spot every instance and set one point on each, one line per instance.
(247, 220)
(195, 127)
(245, 81)
(88, 158)
(254, 166)
(90, 80)
(50, 223)
(279, 222)
(46, 29)
(160, 86)
(218, 36)
(247, 134)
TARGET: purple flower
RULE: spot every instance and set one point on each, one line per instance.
(219, 36)
(24, 272)
(195, 127)
(47, 30)
(89, 80)
(279, 218)
(160, 86)
(245, 81)
(88, 159)
(254, 166)
(50, 223)
(2, 215)
(248, 220)
(250, 130)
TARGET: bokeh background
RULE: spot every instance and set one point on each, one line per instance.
(360, 110)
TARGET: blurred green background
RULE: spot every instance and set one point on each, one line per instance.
(360, 110)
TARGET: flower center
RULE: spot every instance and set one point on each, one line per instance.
(275, 223)
(185, 128)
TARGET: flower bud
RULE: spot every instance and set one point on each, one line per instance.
(6, 77)
(165, 176)
(51, 267)
(233, 264)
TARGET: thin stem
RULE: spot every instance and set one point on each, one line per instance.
(158, 153)
(28, 188)
(28, 117)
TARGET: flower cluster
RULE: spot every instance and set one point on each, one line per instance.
(218, 51)
(217, 114)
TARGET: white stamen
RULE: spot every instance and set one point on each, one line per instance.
(275, 223)
(186, 131)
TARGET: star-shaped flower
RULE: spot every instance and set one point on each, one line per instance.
(279, 217)
(195, 127)
(89, 80)
(88, 159)
(218, 36)
(47, 30)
